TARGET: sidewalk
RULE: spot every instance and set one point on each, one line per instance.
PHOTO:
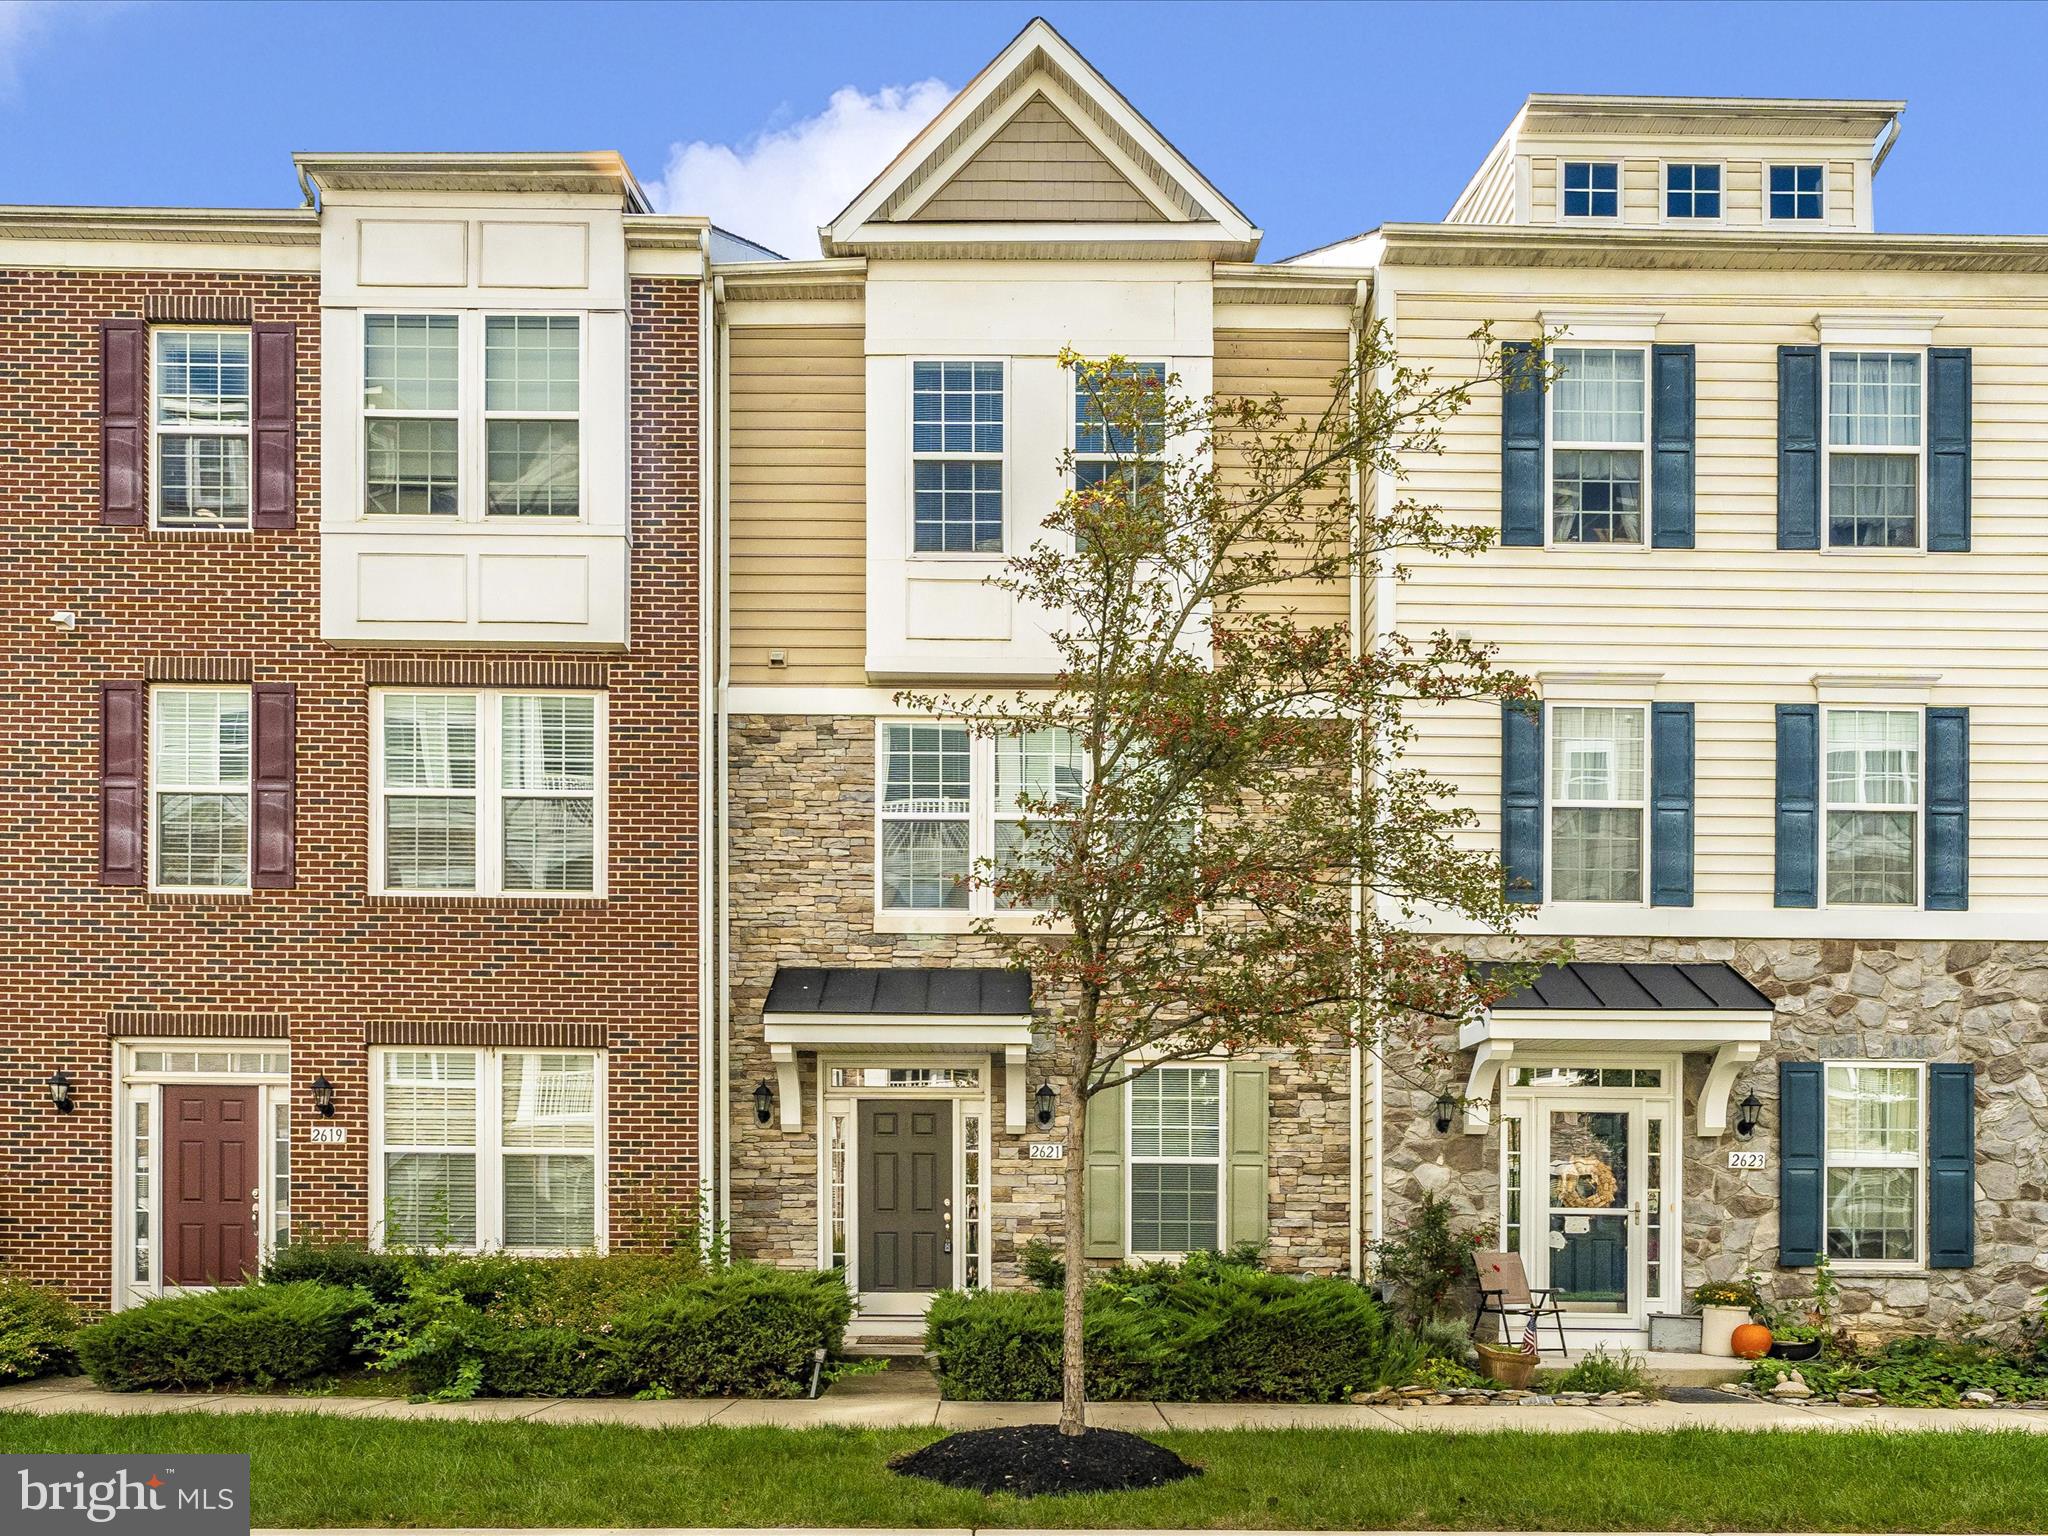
(901, 1399)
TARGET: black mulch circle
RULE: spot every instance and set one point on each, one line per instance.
(1037, 1458)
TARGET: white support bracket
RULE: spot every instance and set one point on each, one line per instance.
(786, 1087)
(1489, 1057)
(1729, 1061)
(1013, 1089)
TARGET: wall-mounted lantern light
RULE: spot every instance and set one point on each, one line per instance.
(1044, 1099)
(764, 1103)
(323, 1095)
(1746, 1115)
(60, 1091)
(1446, 1107)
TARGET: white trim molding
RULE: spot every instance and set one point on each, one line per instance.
(1629, 325)
(1896, 689)
(1875, 328)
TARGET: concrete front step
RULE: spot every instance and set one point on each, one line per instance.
(1667, 1368)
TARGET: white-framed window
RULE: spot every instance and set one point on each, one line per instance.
(1591, 189)
(1871, 774)
(1176, 1159)
(489, 1148)
(957, 446)
(412, 415)
(1796, 194)
(1877, 403)
(533, 383)
(1599, 445)
(1033, 768)
(1875, 1169)
(199, 413)
(484, 792)
(199, 788)
(1692, 191)
(1101, 450)
(1599, 790)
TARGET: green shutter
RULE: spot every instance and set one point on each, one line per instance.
(1246, 1170)
(1102, 1229)
(1951, 1165)
(1802, 1108)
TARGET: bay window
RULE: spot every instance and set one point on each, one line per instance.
(199, 410)
(199, 788)
(1874, 438)
(1598, 791)
(1599, 426)
(1872, 783)
(412, 398)
(1176, 1160)
(533, 370)
(1873, 1151)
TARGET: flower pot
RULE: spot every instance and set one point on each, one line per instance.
(1794, 1349)
(1751, 1341)
(1509, 1367)
(1717, 1329)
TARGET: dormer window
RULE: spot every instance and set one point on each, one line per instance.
(1692, 191)
(1592, 189)
(1796, 193)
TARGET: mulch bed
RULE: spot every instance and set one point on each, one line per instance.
(1037, 1458)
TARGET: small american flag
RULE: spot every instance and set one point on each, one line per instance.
(1529, 1335)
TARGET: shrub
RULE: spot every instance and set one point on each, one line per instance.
(1042, 1265)
(382, 1274)
(1602, 1372)
(1445, 1339)
(1427, 1264)
(253, 1335)
(746, 1332)
(35, 1331)
(1918, 1372)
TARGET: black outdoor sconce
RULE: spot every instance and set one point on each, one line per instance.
(323, 1095)
(764, 1103)
(1746, 1115)
(60, 1091)
(1446, 1107)
(1043, 1098)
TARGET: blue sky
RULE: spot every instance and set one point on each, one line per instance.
(1319, 120)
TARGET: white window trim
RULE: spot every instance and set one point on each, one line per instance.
(1796, 223)
(489, 796)
(1664, 214)
(1551, 446)
(1829, 448)
(1877, 1160)
(1132, 1160)
(158, 431)
(488, 416)
(1620, 190)
(152, 816)
(912, 458)
(1552, 804)
(1918, 809)
(489, 1149)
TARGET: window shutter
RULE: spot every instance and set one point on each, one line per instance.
(1948, 448)
(1671, 796)
(273, 427)
(1102, 1232)
(273, 849)
(1951, 1165)
(124, 352)
(1798, 877)
(1802, 1107)
(122, 860)
(1245, 1175)
(1521, 800)
(1948, 810)
(1672, 391)
(1799, 447)
(1521, 444)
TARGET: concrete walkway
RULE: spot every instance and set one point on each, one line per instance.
(909, 1399)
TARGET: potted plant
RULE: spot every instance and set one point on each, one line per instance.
(1796, 1338)
(1725, 1305)
(1513, 1368)
(1795, 1341)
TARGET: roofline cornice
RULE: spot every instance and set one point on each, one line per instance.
(1500, 245)
(259, 226)
(603, 170)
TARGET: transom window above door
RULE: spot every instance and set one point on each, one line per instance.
(1592, 189)
(1599, 781)
(957, 446)
(1599, 434)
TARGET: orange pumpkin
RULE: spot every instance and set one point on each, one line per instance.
(1752, 1341)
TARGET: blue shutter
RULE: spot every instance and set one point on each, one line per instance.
(1948, 810)
(1521, 800)
(1802, 1107)
(1671, 751)
(1951, 1165)
(1799, 447)
(1798, 876)
(1521, 444)
(1948, 448)
(1671, 447)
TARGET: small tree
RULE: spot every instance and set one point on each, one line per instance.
(1227, 852)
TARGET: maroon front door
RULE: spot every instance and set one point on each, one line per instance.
(211, 1175)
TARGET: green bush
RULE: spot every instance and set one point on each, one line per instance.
(252, 1335)
(745, 1332)
(1602, 1372)
(1427, 1263)
(381, 1273)
(36, 1327)
(1917, 1372)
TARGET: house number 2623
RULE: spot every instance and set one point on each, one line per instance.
(1746, 1159)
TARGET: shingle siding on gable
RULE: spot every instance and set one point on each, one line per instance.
(1038, 168)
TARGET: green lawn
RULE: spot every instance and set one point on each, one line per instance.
(312, 1471)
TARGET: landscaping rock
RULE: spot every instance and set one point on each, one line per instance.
(1036, 1458)
(1982, 1399)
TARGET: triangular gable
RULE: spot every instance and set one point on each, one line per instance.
(1038, 168)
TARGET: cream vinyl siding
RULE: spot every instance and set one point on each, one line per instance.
(1742, 181)
(1543, 177)
(1734, 625)
(1642, 191)
(1038, 169)
(797, 487)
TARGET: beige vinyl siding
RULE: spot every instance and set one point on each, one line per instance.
(798, 491)
(1734, 625)
(1493, 198)
(1038, 168)
(1841, 183)
(1742, 191)
(1543, 178)
(1641, 191)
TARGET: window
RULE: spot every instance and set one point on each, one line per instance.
(1033, 768)
(1101, 451)
(412, 398)
(1598, 779)
(1692, 191)
(1592, 189)
(490, 1149)
(490, 793)
(1874, 410)
(199, 788)
(533, 369)
(1873, 1151)
(199, 404)
(1796, 192)
(1599, 424)
(956, 448)
(1176, 1159)
(1873, 807)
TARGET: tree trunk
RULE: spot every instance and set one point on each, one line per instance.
(1073, 1403)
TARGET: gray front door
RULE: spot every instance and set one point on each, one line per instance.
(906, 1195)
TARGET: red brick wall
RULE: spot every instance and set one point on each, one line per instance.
(325, 955)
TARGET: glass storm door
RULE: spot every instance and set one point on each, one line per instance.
(1593, 1167)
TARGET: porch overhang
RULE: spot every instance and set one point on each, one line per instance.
(1620, 1007)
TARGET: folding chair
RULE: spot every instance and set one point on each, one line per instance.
(1504, 1288)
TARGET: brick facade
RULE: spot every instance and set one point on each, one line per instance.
(324, 962)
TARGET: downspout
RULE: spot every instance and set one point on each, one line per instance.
(1356, 1170)
(719, 455)
(711, 743)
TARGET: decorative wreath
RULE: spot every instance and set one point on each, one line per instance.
(1587, 1183)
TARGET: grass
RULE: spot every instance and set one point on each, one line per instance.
(314, 1471)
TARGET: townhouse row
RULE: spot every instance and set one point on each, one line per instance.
(461, 793)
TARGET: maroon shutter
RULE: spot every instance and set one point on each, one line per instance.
(273, 844)
(124, 350)
(273, 425)
(121, 851)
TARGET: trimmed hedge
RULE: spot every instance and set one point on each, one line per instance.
(36, 1328)
(253, 1335)
(381, 1274)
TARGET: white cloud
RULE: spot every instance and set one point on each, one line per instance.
(22, 22)
(779, 185)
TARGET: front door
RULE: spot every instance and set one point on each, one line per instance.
(1591, 1155)
(906, 1195)
(212, 1184)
